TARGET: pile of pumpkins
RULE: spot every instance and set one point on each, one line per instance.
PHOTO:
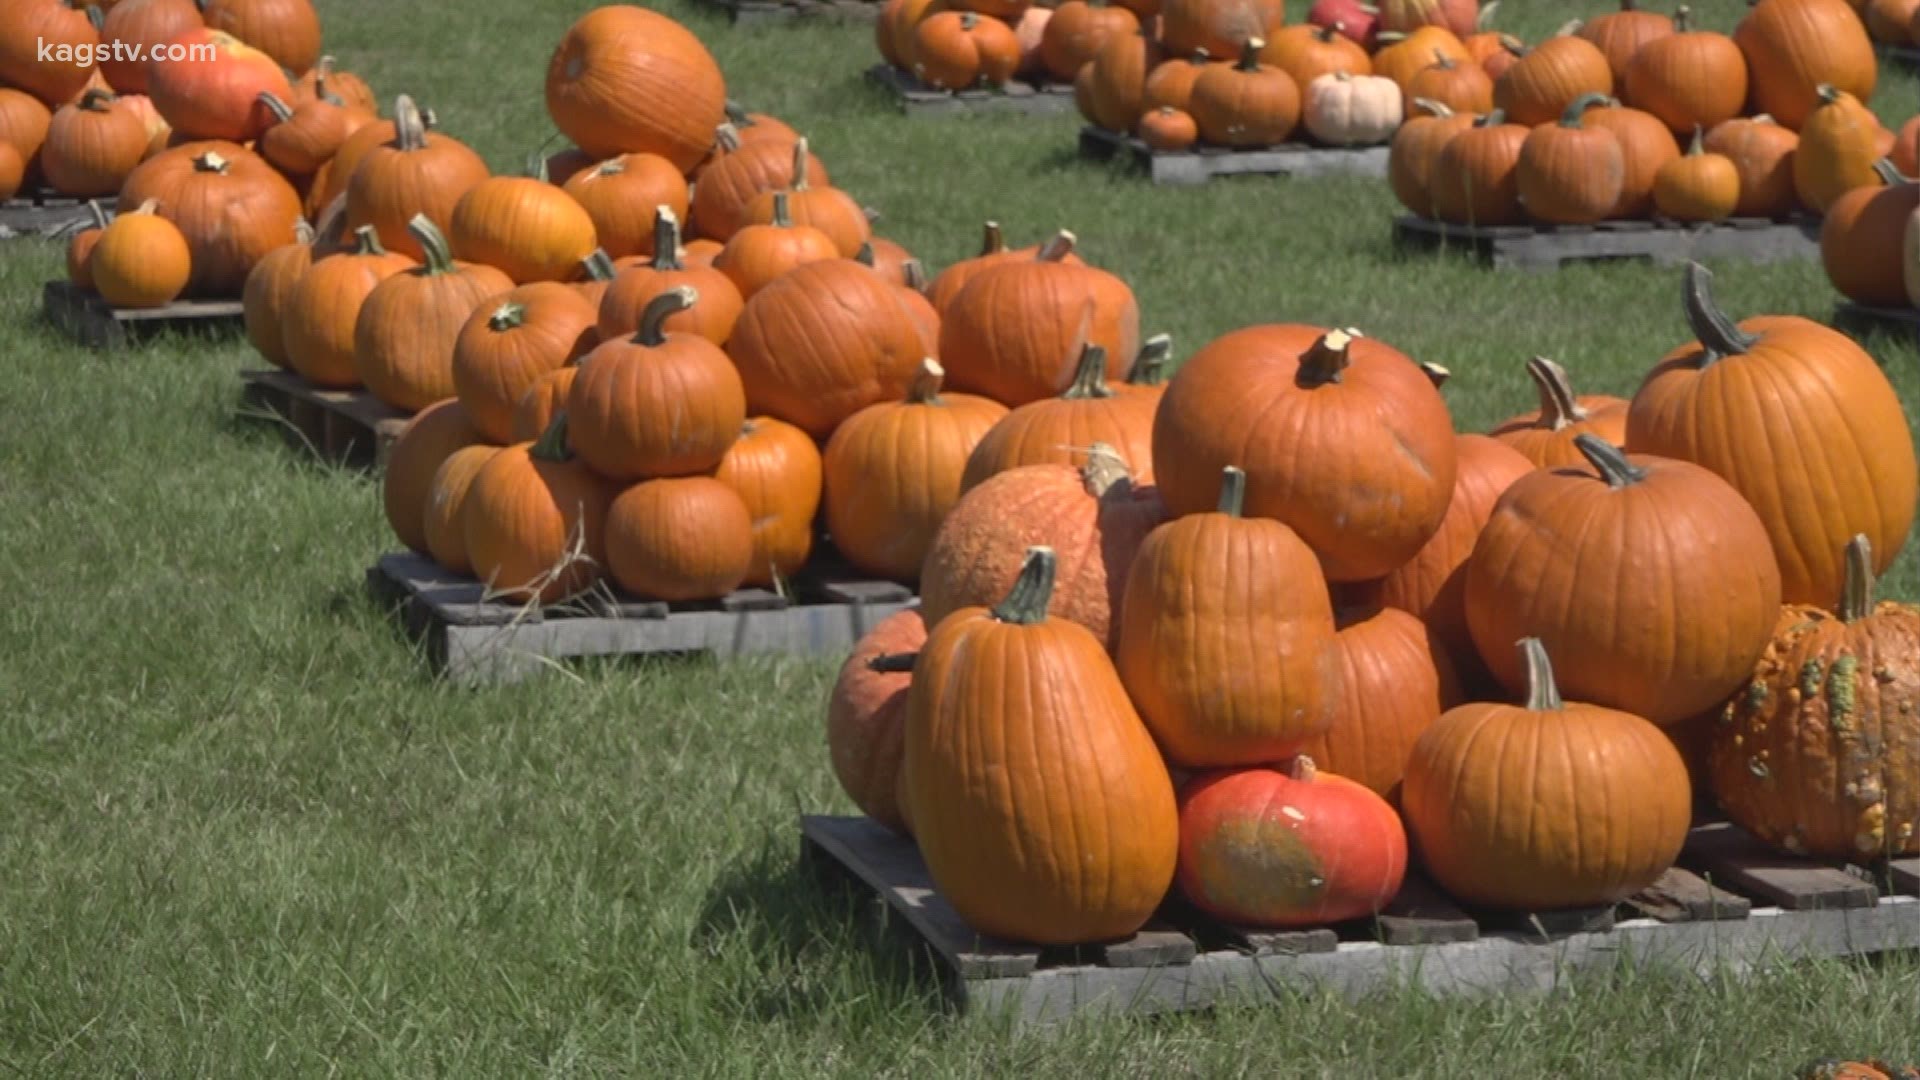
(1326, 638)
(1636, 114)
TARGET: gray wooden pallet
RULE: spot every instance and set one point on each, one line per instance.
(351, 428)
(1206, 162)
(1667, 243)
(91, 321)
(1682, 922)
(43, 213)
(916, 98)
(754, 12)
(1904, 55)
(1853, 318)
(472, 639)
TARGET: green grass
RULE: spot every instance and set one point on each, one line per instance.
(244, 835)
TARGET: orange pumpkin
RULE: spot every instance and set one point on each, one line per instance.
(743, 171)
(323, 82)
(1474, 180)
(1545, 437)
(867, 713)
(758, 254)
(776, 470)
(1059, 430)
(1396, 679)
(140, 260)
(958, 50)
(627, 80)
(1221, 27)
(524, 226)
(535, 521)
(324, 309)
(1170, 84)
(1621, 35)
(1837, 150)
(1700, 187)
(232, 207)
(286, 30)
(542, 402)
(825, 208)
(622, 195)
(406, 333)
(1415, 148)
(218, 98)
(1111, 88)
(92, 146)
(268, 290)
(33, 37)
(1689, 78)
(510, 344)
(1645, 147)
(416, 171)
(1245, 104)
(1306, 52)
(1549, 77)
(679, 538)
(634, 288)
(445, 526)
(1862, 238)
(80, 246)
(303, 139)
(1568, 173)
(433, 435)
(1793, 47)
(1762, 153)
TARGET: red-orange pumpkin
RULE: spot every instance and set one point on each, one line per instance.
(867, 713)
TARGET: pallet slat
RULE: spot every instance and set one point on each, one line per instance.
(1683, 896)
(1904, 875)
(1665, 243)
(351, 428)
(916, 98)
(91, 321)
(1736, 860)
(1422, 915)
(774, 12)
(1205, 163)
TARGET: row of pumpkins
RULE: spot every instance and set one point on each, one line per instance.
(1326, 636)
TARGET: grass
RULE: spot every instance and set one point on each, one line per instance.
(243, 834)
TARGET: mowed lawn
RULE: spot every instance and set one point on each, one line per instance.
(242, 832)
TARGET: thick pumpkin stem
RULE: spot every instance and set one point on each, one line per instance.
(508, 316)
(552, 444)
(1150, 364)
(598, 266)
(1699, 144)
(893, 663)
(1577, 109)
(212, 162)
(666, 240)
(1559, 409)
(1543, 693)
(1303, 770)
(1829, 94)
(915, 274)
(1889, 173)
(1328, 358)
(653, 317)
(1026, 604)
(1609, 461)
(1432, 107)
(280, 109)
(152, 206)
(1856, 594)
(1435, 374)
(1105, 470)
(1250, 56)
(1058, 246)
(303, 233)
(925, 387)
(800, 155)
(969, 20)
(410, 130)
(1233, 491)
(1492, 119)
(992, 242)
(782, 211)
(434, 243)
(1682, 19)
(1719, 335)
(1090, 377)
(726, 138)
(99, 214)
(865, 257)
(366, 241)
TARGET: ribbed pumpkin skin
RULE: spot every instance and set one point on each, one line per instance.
(977, 554)
(1739, 417)
(1792, 46)
(622, 194)
(679, 538)
(1536, 810)
(444, 525)
(1688, 79)
(649, 408)
(1839, 142)
(29, 23)
(1657, 595)
(627, 80)
(141, 24)
(1396, 680)
(1861, 243)
(1475, 179)
(1362, 468)
(217, 99)
(1245, 104)
(324, 311)
(92, 146)
(1645, 146)
(1014, 332)
(1060, 430)
(756, 255)
(1221, 27)
(528, 228)
(231, 205)
(1763, 153)
(508, 343)
(140, 261)
(1415, 148)
(1538, 88)
(776, 470)
(1117, 80)
(1260, 847)
(993, 251)
(526, 516)
(1569, 174)
(867, 719)
(1545, 436)
(311, 135)
(543, 400)
(414, 172)
(287, 30)
(1001, 719)
(428, 440)
(1620, 35)
(740, 175)
(409, 327)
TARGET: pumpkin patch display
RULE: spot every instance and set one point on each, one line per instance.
(415, 171)
(323, 312)
(1688, 78)
(232, 207)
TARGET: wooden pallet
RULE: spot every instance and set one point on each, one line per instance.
(1206, 162)
(43, 213)
(351, 428)
(91, 321)
(472, 639)
(1667, 243)
(752, 12)
(1857, 318)
(1904, 55)
(1749, 909)
(918, 99)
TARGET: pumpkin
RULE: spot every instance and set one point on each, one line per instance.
(1355, 20)
(1059, 430)
(1221, 27)
(758, 254)
(535, 521)
(416, 172)
(218, 98)
(23, 123)
(776, 470)
(1762, 152)
(508, 345)
(1569, 174)
(135, 29)
(1092, 515)
(443, 520)
(1546, 437)
(1396, 679)
(232, 207)
(679, 538)
(622, 195)
(890, 260)
(1649, 577)
(408, 328)
(1016, 330)
(1793, 47)
(1245, 104)
(1015, 863)
(92, 147)
(1076, 32)
(33, 29)
(1645, 147)
(825, 208)
(140, 260)
(957, 50)
(1548, 78)
(1698, 187)
(1484, 782)
(1408, 56)
(1837, 149)
(636, 287)
(893, 29)
(1461, 17)
(1460, 85)
(1474, 179)
(303, 139)
(324, 309)
(1226, 638)
(323, 81)
(1415, 149)
(658, 403)
(823, 342)
(1342, 438)
(1735, 402)
(1689, 78)
(1285, 847)
(626, 80)
(1352, 110)
(1169, 130)
(288, 31)
(269, 289)
(743, 172)
(1621, 35)
(866, 716)
(433, 435)
(993, 251)
(81, 244)
(1306, 52)
(543, 401)
(1818, 755)
(1170, 84)
(1891, 21)
(1111, 89)
(1861, 240)
(524, 226)
(1906, 146)
(893, 472)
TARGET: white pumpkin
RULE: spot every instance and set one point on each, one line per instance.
(1352, 110)
(1910, 259)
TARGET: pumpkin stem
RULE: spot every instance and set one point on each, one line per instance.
(322, 72)
(1577, 108)
(1699, 144)
(737, 114)
(1233, 491)
(865, 257)
(100, 215)
(598, 266)
(303, 233)
(1442, 61)
(666, 240)
(1609, 461)
(1492, 119)
(969, 20)
(434, 243)
(925, 387)
(1485, 18)
(1828, 93)
(212, 162)
(508, 316)
(1250, 56)
(367, 241)
(1682, 19)
(1090, 377)
(893, 663)
(726, 138)
(1105, 470)
(991, 240)
(280, 110)
(1026, 603)
(152, 206)
(1432, 107)
(800, 155)
(1328, 358)
(782, 215)
(410, 131)
(1325, 33)
(1058, 247)
(1303, 770)
(1856, 595)
(552, 443)
(1889, 173)
(1559, 409)
(1150, 364)
(653, 332)
(537, 168)
(915, 275)
(97, 100)
(1543, 694)
(1719, 335)
(1435, 374)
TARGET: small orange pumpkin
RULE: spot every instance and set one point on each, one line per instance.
(141, 260)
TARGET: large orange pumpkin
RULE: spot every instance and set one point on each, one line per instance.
(134, 28)
(1689, 78)
(269, 287)
(407, 330)
(1862, 236)
(867, 716)
(1551, 76)
(428, 440)
(524, 226)
(510, 344)
(446, 527)
(286, 30)
(324, 309)
(758, 254)
(637, 286)
(232, 207)
(1645, 145)
(1546, 436)
(92, 146)
(1415, 148)
(1059, 430)
(1396, 679)
(623, 195)
(60, 27)
(776, 469)
(1474, 180)
(679, 538)
(1620, 35)
(416, 171)
(1794, 46)
(627, 80)
(535, 521)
